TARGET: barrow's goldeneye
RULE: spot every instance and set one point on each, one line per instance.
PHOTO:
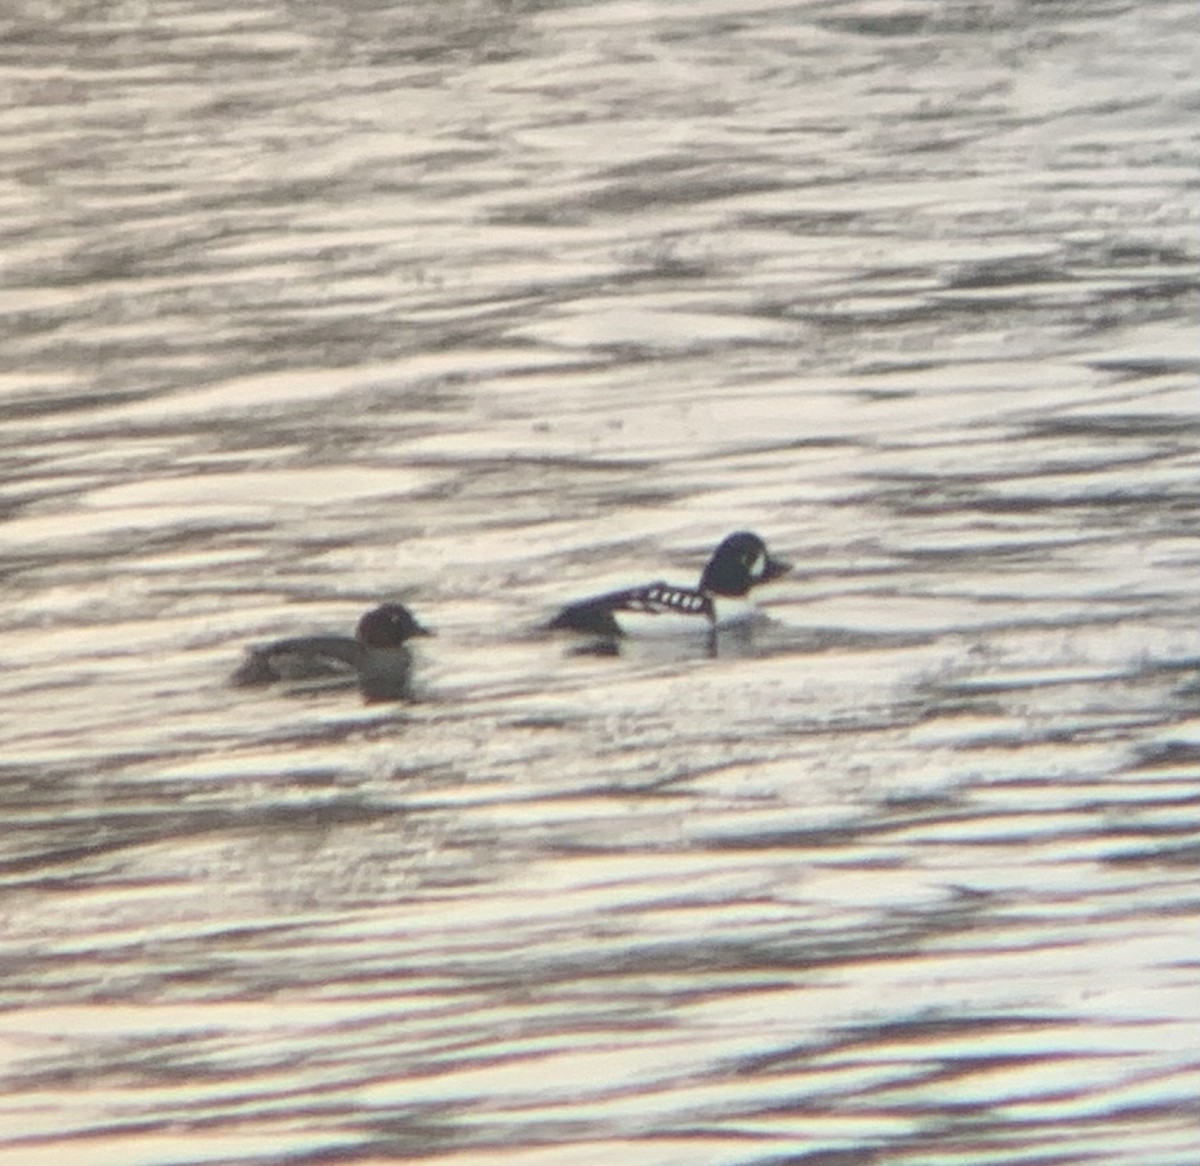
(740, 563)
(377, 658)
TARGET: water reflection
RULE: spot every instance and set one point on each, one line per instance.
(479, 307)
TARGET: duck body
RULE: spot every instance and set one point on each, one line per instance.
(299, 658)
(377, 658)
(741, 563)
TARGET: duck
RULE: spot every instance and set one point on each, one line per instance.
(377, 657)
(740, 563)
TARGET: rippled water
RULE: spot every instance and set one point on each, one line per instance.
(488, 305)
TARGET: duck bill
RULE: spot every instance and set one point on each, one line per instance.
(774, 568)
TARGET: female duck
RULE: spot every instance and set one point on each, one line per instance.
(378, 657)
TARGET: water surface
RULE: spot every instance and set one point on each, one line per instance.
(485, 306)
